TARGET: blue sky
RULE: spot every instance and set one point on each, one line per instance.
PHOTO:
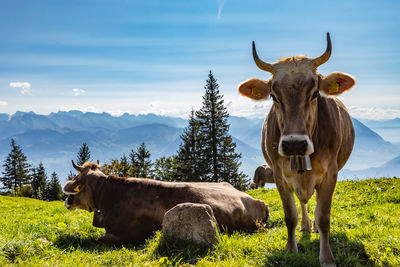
(154, 56)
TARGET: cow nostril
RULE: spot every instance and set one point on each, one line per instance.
(298, 147)
(303, 145)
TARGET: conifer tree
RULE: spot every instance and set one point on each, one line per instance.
(83, 154)
(71, 175)
(39, 181)
(16, 169)
(189, 162)
(219, 158)
(143, 162)
(54, 191)
(134, 170)
(230, 165)
(125, 167)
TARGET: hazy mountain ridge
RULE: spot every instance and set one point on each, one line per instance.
(388, 129)
(370, 149)
(55, 138)
(76, 120)
(388, 169)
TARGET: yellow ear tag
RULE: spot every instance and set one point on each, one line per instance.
(256, 92)
(333, 88)
(76, 189)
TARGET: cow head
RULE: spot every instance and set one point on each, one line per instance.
(295, 88)
(80, 189)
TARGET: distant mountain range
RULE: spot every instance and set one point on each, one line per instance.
(388, 169)
(388, 129)
(54, 139)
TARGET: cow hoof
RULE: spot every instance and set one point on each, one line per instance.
(305, 229)
(332, 264)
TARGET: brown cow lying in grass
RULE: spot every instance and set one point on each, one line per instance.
(133, 208)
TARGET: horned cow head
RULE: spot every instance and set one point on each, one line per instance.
(295, 88)
(80, 189)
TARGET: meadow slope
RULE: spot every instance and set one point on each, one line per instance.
(365, 231)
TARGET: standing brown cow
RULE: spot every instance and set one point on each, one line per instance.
(262, 175)
(308, 124)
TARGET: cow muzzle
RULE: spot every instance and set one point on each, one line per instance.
(68, 201)
(295, 145)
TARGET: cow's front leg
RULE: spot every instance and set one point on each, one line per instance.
(291, 216)
(322, 219)
(305, 219)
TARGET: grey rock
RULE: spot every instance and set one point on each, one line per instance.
(191, 222)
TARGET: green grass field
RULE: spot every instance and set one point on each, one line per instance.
(365, 231)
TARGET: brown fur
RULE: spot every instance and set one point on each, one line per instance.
(133, 208)
(263, 174)
(292, 59)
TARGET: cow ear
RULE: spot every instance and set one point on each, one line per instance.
(337, 83)
(255, 89)
(72, 188)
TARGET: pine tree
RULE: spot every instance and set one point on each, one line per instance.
(39, 181)
(219, 159)
(230, 165)
(125, 167)
(54, 191)
(83, 154)
(134, 170)
(189, 154)
(143, 162)
(71, 175)
(16, 169)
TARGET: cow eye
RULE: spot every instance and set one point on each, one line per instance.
(315, 94)
(274, 98)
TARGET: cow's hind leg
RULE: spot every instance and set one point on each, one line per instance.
(291, 216)
(322, 219)
(305, 219)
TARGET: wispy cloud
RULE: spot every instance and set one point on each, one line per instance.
(77, 91)
(3, 103)
(24, 86)
(375, 113)
(221, 4)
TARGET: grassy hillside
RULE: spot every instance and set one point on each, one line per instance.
(365, 231)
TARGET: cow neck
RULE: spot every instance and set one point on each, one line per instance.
(96, 193)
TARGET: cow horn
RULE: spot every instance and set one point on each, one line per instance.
(261, 64)
(325, 56)
(76, 167)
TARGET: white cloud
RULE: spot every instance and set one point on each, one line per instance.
(78, 91)
(155, 104)
(374, 113)
(3, 103)
(24, 86)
